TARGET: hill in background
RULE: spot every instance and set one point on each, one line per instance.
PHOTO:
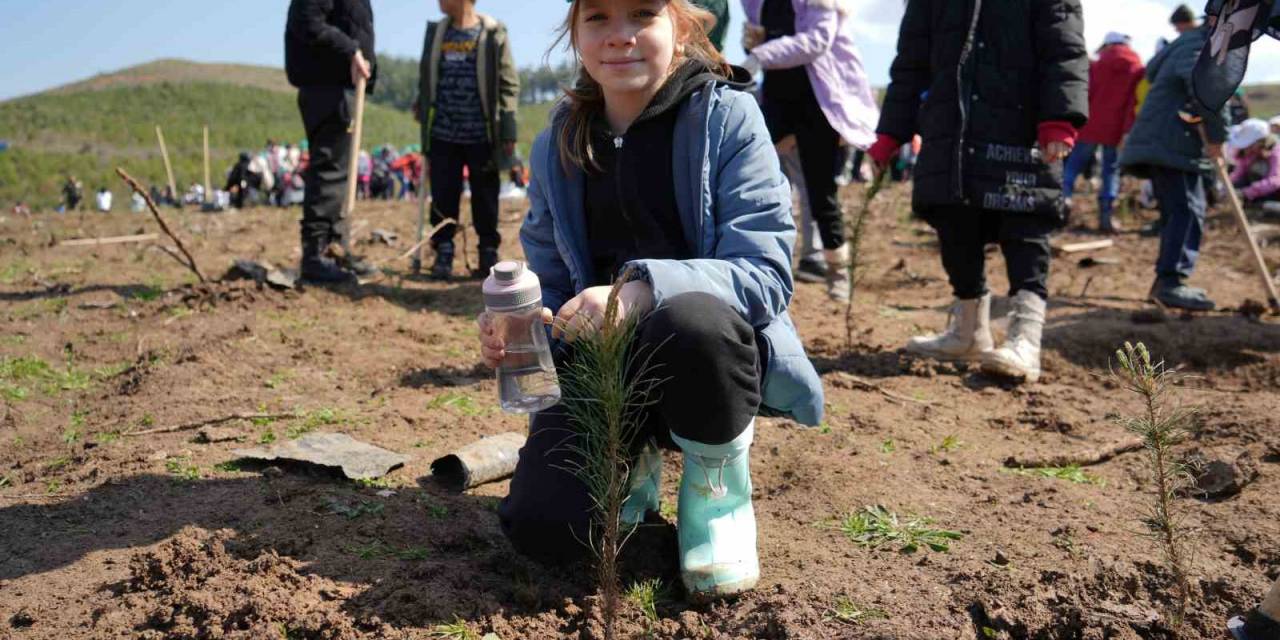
(88, 128)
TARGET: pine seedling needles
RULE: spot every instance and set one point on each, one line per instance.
(606, 386)
(1161, 424)
(856, 228)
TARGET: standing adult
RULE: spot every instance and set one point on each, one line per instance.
(816, 90)
(1165, 146)
(1113, 84)
(328, 46)
(995, 89)
(468, 88)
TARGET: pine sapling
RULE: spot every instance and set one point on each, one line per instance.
(606, 386)
(1161, 423)
(856, 227)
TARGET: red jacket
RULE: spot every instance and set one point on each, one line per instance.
(1113, 83)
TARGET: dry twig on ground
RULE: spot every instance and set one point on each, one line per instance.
(187, 426)
(164, 226)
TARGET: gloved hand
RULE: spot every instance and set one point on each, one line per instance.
(884, 149)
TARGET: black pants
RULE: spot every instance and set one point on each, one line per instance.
(326, 115)
(447, 160)
(818, 146)
(709, 360)
(963, 234)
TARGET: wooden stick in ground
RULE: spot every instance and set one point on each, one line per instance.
(187, 426)
(168, 168)
(1080, 458)
(155, 212)
(416, 248)
(1238, 209)
(353, 163)
(93, 242)
(208, 185)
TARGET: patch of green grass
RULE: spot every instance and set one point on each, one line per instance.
(58, 463)
(1071, 473)
(71, 435)
(52, 486)
(312, 421)
(148, 293)
(14, 271)
(824, 428)
(948, 444)
(230, 466)
(107, 437)
(414, 553)
(181, 468)
(457, 630)
(888, 446)
(849, 612)
(277, 379)
(438, 511)
(112, 370)
(644, 595)
(371, 551)
(47, 306)
(351, 512)
(147, 420)
(875, 526)
(267, 437)
(5, 482)
(373, 483)
(14, 340)
(459, 403)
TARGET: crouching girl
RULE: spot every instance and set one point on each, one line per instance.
(659, 165)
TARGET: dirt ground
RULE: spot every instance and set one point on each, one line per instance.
(108, 535)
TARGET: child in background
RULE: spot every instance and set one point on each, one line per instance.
(1257, 172)
(996, 94)
(658, 164)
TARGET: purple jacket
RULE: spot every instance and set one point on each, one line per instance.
(824, 45)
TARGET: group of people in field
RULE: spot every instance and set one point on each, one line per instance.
(668, 164)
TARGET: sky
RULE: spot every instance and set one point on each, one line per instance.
(47, 43)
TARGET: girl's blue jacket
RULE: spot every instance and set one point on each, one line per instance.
(735, 208)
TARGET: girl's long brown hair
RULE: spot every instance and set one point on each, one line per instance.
(585, 100)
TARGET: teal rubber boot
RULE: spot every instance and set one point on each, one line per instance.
(717, 527)
(646, 485)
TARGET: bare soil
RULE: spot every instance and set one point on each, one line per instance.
(107, 535)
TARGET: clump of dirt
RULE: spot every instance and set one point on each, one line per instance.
(194, 585)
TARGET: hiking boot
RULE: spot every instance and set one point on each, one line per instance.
(837, 276)
(717, 525)
(1019, 357)
(488, 258)
(363, 269)
(811, 271)
(968, 334)
(1254, 626)
(646, 485)
(443, 267)
(317, 266)
(1180, 296)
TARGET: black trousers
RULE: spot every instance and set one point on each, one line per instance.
(818, 146)
(709, 360)
(446, 160)
(326, 115)
(963, 234)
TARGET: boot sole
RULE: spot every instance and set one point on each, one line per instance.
(975, 358)
(719, 591)
(1005, 370)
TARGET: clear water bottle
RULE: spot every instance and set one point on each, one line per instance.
(527, 375)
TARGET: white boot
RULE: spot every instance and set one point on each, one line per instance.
(968, 334)
(838, 273)
(1019, 356)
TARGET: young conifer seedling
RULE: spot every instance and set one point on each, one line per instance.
(1161, 423)
(606, 386)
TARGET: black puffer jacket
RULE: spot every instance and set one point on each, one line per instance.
(320, 38)
(975, 78)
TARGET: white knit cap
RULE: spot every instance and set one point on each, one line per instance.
(1115, 37)
(1248, 132)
